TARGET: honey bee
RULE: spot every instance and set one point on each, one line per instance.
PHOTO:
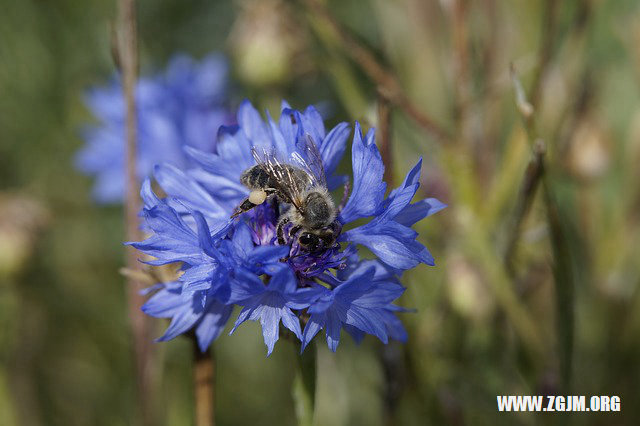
(301, 184)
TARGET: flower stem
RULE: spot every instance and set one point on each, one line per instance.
(127, 60)
(203, 385)
(304, 386)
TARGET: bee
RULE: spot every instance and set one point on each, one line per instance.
(301, 184)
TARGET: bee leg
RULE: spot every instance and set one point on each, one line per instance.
(280, 230)
(293, 230)
(336, 227)
(255, 198)
(245, 206)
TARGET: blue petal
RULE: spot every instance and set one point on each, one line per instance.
(287, 127)
(284, 105)
(279, 142)
(198, 277)
(242, 237)
(291, 322)
(306, 125)
(322, 298)
(228, 193)
(368, 187)
(412, 178)
(333, 147)
(165, 303)
(180, 323)
(172, 240)
(268, 312)
(244, 315)
(395, 329)
(356, 334)
(397, 203)
(149, 198)
(233, 157)
(245, 287)
(270, 322)
(283, 282)
(151, 289)
(212, 324)
(418, 211)
(205, 238)
(332, 329)
(387, 248)
(382, 271)
(391, 241)
(314, 120)
(251, 124)
(314, 325)
(265, 255)
(304, 297)
(421, 253)
(177, 184)
(380, 296)
(367, 320)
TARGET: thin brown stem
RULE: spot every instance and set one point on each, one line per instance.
(384, 135)
(387, 82)
(203, 382)
(128, 62)
(486, 148)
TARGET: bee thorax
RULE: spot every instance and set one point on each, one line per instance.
(319, 210)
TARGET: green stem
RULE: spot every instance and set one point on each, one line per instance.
(304, 386)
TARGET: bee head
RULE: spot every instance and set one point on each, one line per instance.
(319, 240)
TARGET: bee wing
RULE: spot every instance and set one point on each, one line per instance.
(310, 160)
(282, 176)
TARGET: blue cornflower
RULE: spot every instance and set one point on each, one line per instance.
(275, 278)
(183, 106)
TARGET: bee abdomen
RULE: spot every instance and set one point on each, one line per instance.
(255, 178)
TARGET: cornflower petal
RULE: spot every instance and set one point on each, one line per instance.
(368, 188)
(269, 306)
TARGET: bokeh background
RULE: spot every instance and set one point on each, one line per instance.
(549, 306)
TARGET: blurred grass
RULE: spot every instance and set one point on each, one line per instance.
(479, 331)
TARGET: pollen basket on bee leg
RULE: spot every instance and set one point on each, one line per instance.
(257, 196)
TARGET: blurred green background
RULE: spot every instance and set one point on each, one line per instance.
(556, 312)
